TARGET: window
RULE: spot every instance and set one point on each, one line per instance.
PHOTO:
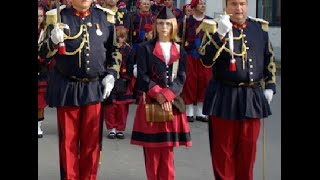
(269, 10)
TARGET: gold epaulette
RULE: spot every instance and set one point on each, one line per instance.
(51, 15)
(110, 13)
(207, 25)
(264, 23)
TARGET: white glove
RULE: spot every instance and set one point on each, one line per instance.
(56, 34)
(268, 93)
(224, 25)
(135, 71)
(108, 83)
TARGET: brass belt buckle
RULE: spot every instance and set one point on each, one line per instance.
(85, 79)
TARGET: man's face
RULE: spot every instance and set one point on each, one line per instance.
(144, 5)
(81, 4)
(168, 3)
(188, 10)
(238, 9)
(201, 6)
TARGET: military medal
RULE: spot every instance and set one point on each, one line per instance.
(98, 31)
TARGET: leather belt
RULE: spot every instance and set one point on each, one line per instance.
(241, 84)
(86, 79)
(75, 78)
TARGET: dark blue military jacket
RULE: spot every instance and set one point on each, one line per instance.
(193, 40)
(239, 94)
(138, 22)
(77, 75)
(153, 71)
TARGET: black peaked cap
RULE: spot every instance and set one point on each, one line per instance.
(165, 13)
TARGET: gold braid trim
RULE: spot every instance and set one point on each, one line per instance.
(50, 53)
(84, 40)
(236, 38)
(120, 17)
(202, 51)
(217, 47)
(243, 53)
(272, 65)
(77, 35)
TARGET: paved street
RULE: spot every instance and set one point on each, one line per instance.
(123, 161)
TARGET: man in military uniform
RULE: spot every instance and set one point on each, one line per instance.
(81, 79)
(122, 17)
(139, 20)
(198, 76)
(242, 61)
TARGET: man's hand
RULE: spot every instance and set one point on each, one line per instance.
(268, 93)
(108, 83)
(56, 35)
(224, 25)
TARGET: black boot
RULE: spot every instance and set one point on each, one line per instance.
(190, 118)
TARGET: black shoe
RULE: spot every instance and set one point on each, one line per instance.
(112, 135)
(40, 136)
(200, 118)
(190, 118)
(120, 135)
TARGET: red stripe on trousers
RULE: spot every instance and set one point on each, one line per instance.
(233, 147)
(116, 116)
(159, 163)
(79, 146)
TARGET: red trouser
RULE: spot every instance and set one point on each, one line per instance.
(116, 116)
(159, 163)
(233, 147)
(197, 80)
(79, 141)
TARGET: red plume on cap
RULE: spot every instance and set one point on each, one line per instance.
(194, 3)
(148, 27)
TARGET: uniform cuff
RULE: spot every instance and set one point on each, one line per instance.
(168, 94)
(153, 92)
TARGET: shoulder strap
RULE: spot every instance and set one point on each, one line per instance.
(175, 64)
